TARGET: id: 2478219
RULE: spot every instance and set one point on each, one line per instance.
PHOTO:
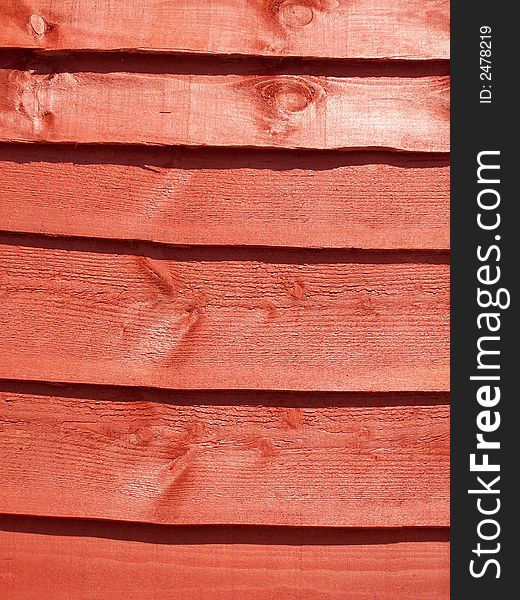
(485, 65)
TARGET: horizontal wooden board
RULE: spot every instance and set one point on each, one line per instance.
(228, 197)
(101, 312)
(319, 28)
(60, 560)
(136, 456)
(285, 111)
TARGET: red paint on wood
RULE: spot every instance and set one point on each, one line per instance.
(50, 559)
(139, 456)
(285, 111)
(125, 313)
(327, 28)
(227, 197)
(216, 318)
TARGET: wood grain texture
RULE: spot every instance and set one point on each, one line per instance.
(139, 456)
(319, 28)
(218, 318)
(62, 560)
(285, 111)
(227, 197)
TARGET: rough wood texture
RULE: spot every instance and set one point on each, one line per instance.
(57, 560)
(227, 197)
(137, 455)
(322, 28)
(286, 111)
(319, 272)
(218, 318)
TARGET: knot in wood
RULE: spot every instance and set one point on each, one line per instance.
(35, 91)
(294, 13)
(38, 24)
(288, 94)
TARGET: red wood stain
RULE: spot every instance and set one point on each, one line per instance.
(261, 197)
(286, 111)
(382, 29)
(224, 299)
(243, 563)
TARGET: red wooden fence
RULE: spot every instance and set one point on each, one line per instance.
(224, 360)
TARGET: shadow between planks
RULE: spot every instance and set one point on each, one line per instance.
(149, 533)
(47, 62)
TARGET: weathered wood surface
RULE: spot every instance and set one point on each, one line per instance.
(227, 197)
(321, 28)
(143, 455)
(223, 318)
(46, 559)
(284, 111)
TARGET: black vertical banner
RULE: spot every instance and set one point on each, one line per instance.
(485, 356)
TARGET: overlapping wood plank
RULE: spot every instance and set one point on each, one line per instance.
(271, 459)
(320, 28)
(227, 197)
(101, 312)
(281, 111)
(55, 560)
